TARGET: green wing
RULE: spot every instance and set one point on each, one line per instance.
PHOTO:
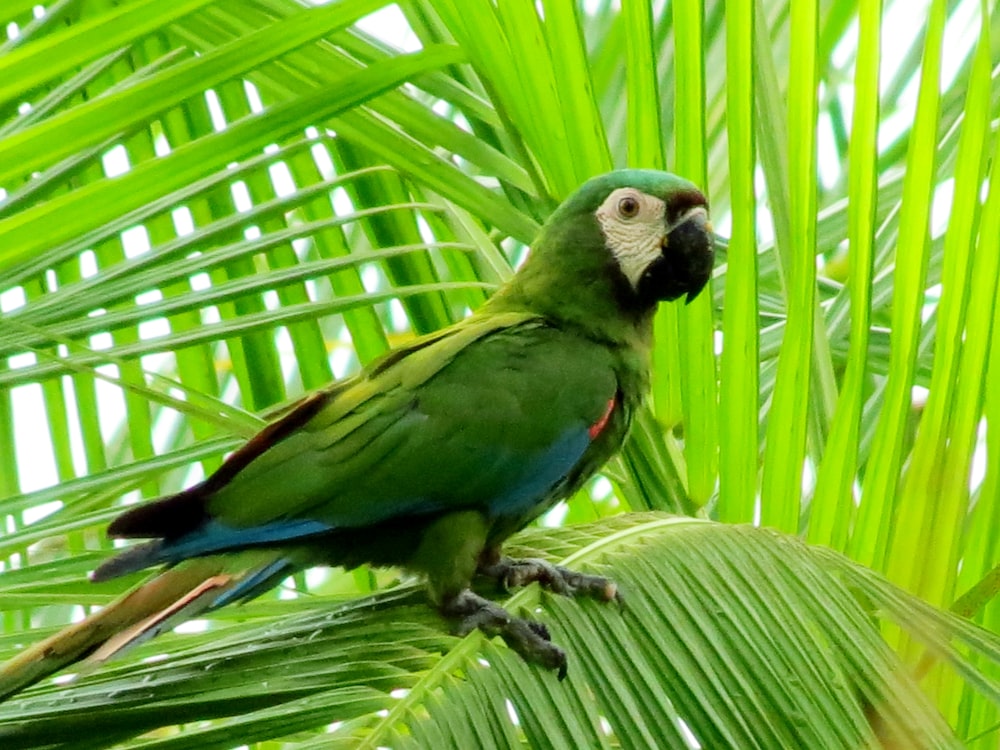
(465, 421)
(501, 413)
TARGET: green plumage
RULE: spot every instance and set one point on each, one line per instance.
(437, 431)
(433, 455)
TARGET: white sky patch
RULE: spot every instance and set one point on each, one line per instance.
(281, 179)
(979, 456)
(303, 247)
(33, 447)
(312, 288)
(763, 222)
(38, 512)
(192, 626)
(11, 299)
(76, 447)
(286, 354)
(389, 24)
(253, 97)
(342, 356)
(321, 156)
(286, 589)
(901, 22)
(241, 196)
(24, 359)
(161, 146)
(397, 314)
(847, 47)
(602, 487)
(210, 315)
(155, 328)
(88, 264)
(271, 300)
(342, 204)
(183, 221)
(101, 341)
(215, 110)
(148, 297)
(200, 281)
(827, 161)
(370, 278)
(316, 577)
(556, 516)
(135, 241)
(960, 35)
(808, 477)
(944, 193)
(112, 401)
(115, 162)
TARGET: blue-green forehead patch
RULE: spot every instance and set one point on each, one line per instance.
(592, 193)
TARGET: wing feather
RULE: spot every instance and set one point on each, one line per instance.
(492, 414)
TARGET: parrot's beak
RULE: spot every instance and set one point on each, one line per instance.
(692, 243)
(685, 264)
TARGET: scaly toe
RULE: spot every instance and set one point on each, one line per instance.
(528, 638)
(512, 573)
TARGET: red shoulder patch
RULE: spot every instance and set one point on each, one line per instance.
(598, 427)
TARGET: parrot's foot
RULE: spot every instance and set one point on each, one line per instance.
(512, 573)
(528, 638)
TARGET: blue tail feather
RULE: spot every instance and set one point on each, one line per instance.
(209, 538)
(256, 584)
(130, 560)
(214, 537)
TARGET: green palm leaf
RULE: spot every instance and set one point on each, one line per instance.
(727, 633)
(209, 207)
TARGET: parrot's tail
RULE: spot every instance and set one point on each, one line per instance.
(177, 594)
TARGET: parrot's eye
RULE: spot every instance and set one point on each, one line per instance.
(628, 207)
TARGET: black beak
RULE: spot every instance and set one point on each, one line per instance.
(685, 264)
(694, 241)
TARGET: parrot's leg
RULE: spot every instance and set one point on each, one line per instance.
(513, 573)
(450, 552)
(528, 638)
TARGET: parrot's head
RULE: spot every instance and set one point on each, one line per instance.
(621, 243)
(655, 226)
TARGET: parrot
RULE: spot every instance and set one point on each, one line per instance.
(431, 456)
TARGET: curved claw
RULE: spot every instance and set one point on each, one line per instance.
(530, 639)
(540, 629)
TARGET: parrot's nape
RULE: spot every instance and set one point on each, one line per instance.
(433, 455)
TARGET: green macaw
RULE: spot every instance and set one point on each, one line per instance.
(433, 455)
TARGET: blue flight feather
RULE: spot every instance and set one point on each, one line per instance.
(542, 474)
(207, 539)
(213, 536)
(256, 584)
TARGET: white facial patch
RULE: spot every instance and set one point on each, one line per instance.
(634, 229)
